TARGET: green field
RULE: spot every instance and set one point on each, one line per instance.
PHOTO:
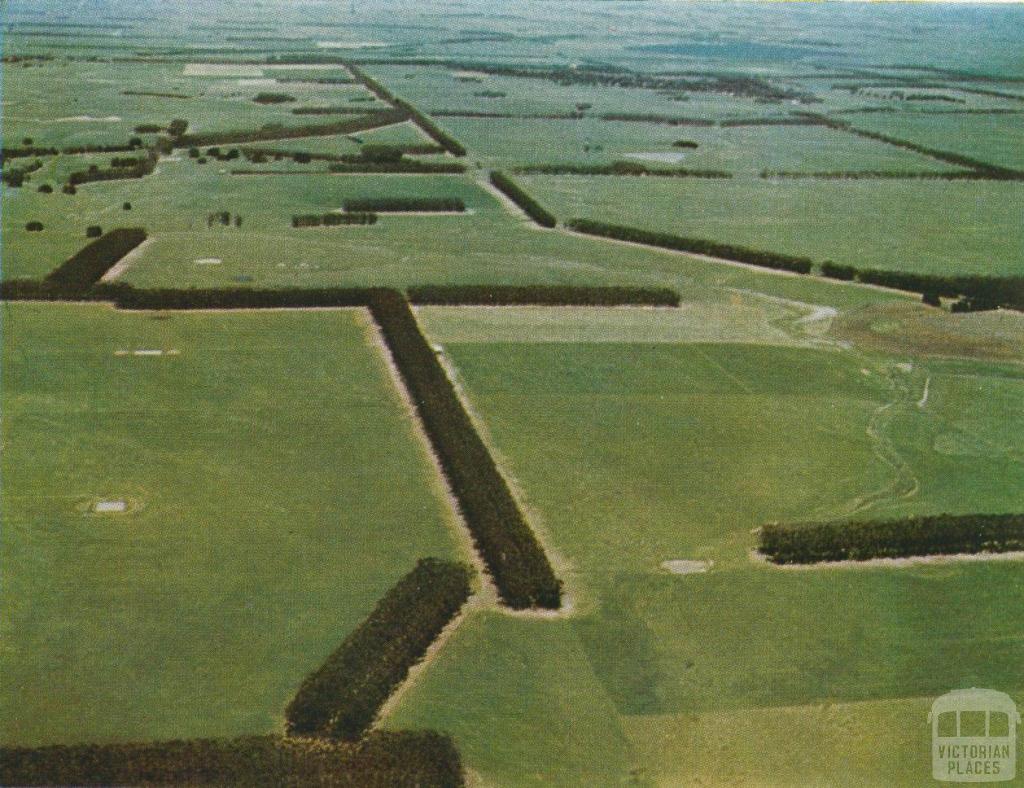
(955, 227)
(630, 454)
(275, 490)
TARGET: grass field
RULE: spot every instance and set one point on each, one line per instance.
(629, 454)
(958, 227)
(275, 491)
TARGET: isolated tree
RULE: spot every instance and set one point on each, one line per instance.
(46, 189)
(127, 206)
(34, 227)
(94, 231)
(177, 127)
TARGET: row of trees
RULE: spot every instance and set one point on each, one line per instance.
(404, 204)
(334, 110)
(84, 268)
(273, 98)
(542, 295)
(528, 204)
(943, 534)
(945, 175)
(341, 699)
(741, 254)
(976, 291)
(275, 131)
(646, 117)
(631, 168)
(514, 557)
(383, 758)
(333, 219)
(431, 129)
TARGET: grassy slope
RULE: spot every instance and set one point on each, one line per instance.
(631, 454)
(928, 227)
(281, 493)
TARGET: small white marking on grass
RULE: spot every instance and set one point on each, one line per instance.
(110, 506)
(924, 397)
(88, 119)
(683, 566)
(349, 44)
(147, 352)
(209, 261)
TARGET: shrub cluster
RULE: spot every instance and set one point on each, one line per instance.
(546, 295)
(132, 168)
(742, 254)
(404, 204)
(528, 204)
(84, 268)
(380, 760)
(341, 699)
(517, 563)
(943, 534)
(333, 219)
(689, 144)
(15, 177)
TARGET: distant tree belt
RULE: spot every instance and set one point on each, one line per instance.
(276, 132)
(619, 168)
(154, 94)
(336, 110)
(977, 291)
(79, 149)
(84, 268)
(509, 548)
(990, 171)
(23, 153)
(770, 121)
(542, 295)
(383, 758)
(619, 76)
(943, 534)
(332, 219)
(944, 175)
(431, 129)
(139, 168)
(742, 254)
(402, 204)
(367, 154)
(466, 113)
(316, 80)
(644, 117)
(336, 168)
(341, 699)
(528, 204)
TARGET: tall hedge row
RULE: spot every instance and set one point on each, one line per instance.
(281, 132)
(742, 254)
(980, 292)
(342, 698)
(516, 561)
(528, 204)
(943, 534)
(542, 295)
(431, 129)
(84, 268)
(333, 219)
(403, 204)
(381, 760)
(127, 297)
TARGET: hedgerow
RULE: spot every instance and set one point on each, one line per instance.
(431, 129)
(528, 204)
(341, 699)
(404, 204)
(127, 297)
(281, 132)
(84, 268)
(943, 534)
(120, 169)
(381, 760)
(546, 295)
(742, 254)
(621, 168)
(332, 219)
(976, 291)
(516, 561)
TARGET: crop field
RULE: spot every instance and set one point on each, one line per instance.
(293, 299)
(197, 611)
(963, 227)
(633, 451)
